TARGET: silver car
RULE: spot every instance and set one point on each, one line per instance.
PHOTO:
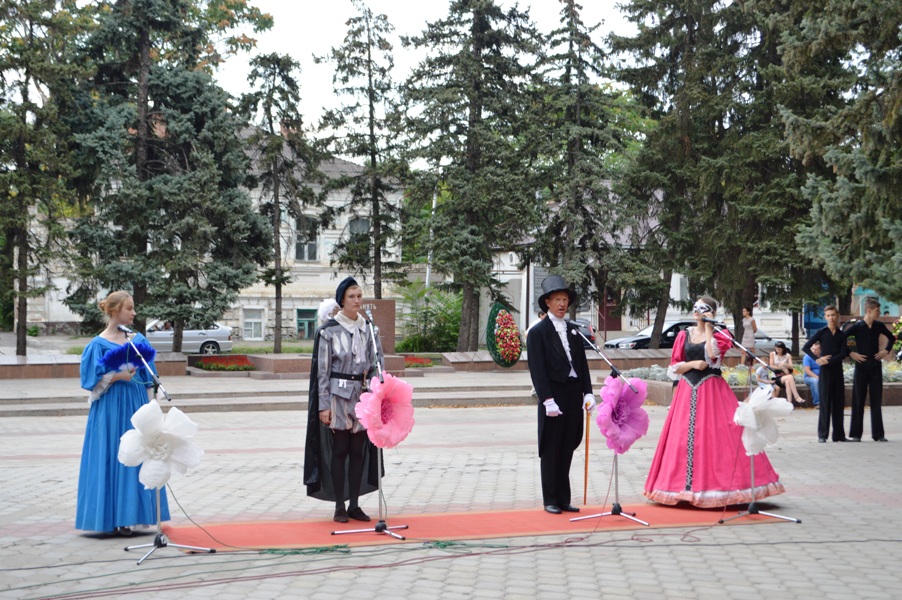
(212, 340)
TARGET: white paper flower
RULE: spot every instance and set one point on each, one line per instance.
(160, 444)
(757, 418)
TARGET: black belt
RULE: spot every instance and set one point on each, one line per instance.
(349, 376)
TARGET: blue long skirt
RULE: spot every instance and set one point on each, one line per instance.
(109, 493)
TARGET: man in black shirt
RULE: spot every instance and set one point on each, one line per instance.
(868, 377)
(831, 387)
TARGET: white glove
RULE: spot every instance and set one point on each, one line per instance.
(551, 408)
(589, 402)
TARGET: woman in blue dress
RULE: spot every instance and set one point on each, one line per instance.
(110, 497)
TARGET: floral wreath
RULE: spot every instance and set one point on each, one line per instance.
(502, 337)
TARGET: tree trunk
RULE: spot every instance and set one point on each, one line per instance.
(139, 288)
(661, 312)
(21, 291)
(469, 313)
(20, 231)
(178, 331)
(277, 259)
(375, 213)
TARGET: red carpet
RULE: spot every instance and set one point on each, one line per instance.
(444, 527)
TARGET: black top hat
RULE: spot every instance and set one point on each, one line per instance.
(551, 284)
(342, 288)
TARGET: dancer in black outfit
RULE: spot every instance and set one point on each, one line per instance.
(831, 387)
(868, 370)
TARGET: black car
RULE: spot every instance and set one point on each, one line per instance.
(641, 339)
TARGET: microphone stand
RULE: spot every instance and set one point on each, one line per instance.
(156, 380)
(614, 371)
(381, 526)
(616, 509)
(753, 505)
(160, 540)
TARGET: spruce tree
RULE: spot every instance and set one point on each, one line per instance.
(856, 217)
(467, 118)
(167, 215)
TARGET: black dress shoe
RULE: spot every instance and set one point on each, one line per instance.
(357, 514)
(341, 515)
(551, 508)
(822, 440)
(842, 440)
(569, 508)
(881, 440)
(853, 440)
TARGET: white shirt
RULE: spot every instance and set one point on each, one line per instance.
(560, 325)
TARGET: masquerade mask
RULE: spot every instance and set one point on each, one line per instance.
(701, 308)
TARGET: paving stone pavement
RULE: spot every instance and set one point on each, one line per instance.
(849, 543)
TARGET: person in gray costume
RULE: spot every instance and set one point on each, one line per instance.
(340, 461)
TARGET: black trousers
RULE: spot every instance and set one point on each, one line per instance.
(833, 400)
(868, 379)
(561, 436)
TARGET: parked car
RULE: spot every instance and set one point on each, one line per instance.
(214, 339)
(641, 339)
(585, 327)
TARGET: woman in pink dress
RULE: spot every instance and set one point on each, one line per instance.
(700, 458)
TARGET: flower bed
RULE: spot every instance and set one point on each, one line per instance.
(417, 362)
(225, 362)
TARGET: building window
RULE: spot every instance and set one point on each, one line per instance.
(306, 323)
(253, 324)
(359, 226)
(305, 247)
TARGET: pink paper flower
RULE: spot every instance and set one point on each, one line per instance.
(386, 411)
(621, 418)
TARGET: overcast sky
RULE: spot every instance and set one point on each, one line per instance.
(303, 28)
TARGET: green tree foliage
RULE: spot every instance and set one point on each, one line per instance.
(286, 163)
(36, 163)
(467, 117)
(856, 216)
(429, 319)
(717, 171)
(166, 216)
(369, 134)
(584, 130)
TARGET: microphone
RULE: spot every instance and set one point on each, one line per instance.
(125, 330)
(369, 315)
(714, 322)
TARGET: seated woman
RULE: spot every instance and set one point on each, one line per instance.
(781, 360)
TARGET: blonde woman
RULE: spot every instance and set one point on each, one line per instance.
(110, 497)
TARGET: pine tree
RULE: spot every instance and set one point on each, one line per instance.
(167, 216)
(36, 161)
(466, 118)
(286, 162)
(368, 126)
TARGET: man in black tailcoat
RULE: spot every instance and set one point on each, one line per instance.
(560, 375)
